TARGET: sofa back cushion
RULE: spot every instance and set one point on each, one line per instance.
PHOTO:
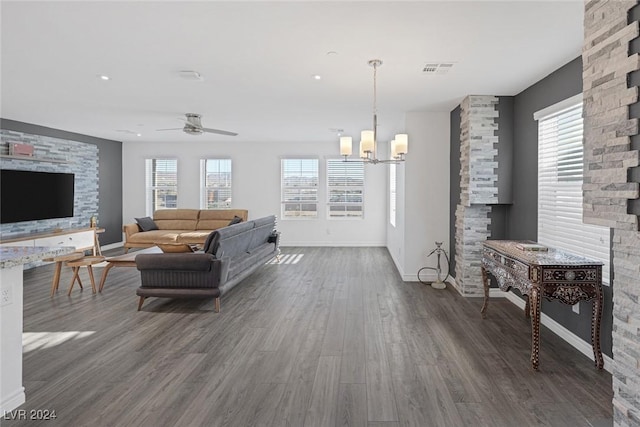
(233, 240)
(212, 219)
(263, 227)
(176, 219)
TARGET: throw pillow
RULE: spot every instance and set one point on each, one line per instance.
(175, 247)
(146, 224)
(236, 219)
(211, 244)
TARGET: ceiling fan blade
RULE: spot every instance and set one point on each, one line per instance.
(218, 131)
(169, 129)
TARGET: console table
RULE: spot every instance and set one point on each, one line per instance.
(552, 274)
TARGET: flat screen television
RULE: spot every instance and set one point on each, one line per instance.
(29, 195)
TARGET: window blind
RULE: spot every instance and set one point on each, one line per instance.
(161, 184)
(345, 187)
(560, 176)
(299, 184)
(215, 184)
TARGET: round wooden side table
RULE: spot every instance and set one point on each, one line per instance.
(87, 261)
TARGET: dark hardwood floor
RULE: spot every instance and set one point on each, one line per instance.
(331, 338)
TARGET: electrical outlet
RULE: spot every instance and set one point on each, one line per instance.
(576, 308)
(6, 294)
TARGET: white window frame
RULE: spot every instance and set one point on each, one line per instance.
(307, 186)
(223, 167)
(560, 178)
(152, 186)
(337, 173)
(393, 193)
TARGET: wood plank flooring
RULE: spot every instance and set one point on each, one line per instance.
(333, 338)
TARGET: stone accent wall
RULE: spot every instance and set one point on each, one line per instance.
(81, 160)
(478, 187)
(472, 228)
(478, 150)
(608, 188)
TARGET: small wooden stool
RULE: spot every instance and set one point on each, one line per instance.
(87, 261)
(59, 260)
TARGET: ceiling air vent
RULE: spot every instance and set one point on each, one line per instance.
(437, 67)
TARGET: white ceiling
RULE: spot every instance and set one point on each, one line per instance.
(258, 59)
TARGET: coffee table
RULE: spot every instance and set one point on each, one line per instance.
(126, 260)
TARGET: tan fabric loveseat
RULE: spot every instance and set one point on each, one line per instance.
(190, 226)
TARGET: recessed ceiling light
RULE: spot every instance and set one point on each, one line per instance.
(103, 77)
(332, 52)
(138, 134)
(191, 75)
(317, 77)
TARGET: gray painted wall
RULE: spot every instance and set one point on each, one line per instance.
(520, 220)
(109, 174)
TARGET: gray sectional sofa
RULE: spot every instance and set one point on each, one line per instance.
(230, 254)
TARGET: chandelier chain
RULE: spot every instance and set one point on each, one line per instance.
(375, 89)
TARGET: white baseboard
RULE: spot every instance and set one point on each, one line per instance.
(11, 402)
(571, 338)
(331, 244)
(427, 276)
(112, 246)
(398, 267)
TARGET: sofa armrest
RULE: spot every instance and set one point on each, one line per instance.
(179, 272)
(274, 238)
(129, 230)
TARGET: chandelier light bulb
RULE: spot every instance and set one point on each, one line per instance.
(394, 149)
(346, 148)
(402, 143)
(366, 140)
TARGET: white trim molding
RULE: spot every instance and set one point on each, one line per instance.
(557, 107)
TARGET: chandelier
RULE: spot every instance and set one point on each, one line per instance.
(368, 142)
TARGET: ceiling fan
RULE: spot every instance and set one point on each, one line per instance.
(193, 126)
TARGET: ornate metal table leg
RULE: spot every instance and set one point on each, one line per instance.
(535, 301)
(595, 328)
(485, 283)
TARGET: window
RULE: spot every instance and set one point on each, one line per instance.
(345, 189)
(299, 188)
(215, 183)
(392, 194)
(560, 172)
(161, 184)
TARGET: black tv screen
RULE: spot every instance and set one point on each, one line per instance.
(28, 195)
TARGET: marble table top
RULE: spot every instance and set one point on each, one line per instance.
(11, 256)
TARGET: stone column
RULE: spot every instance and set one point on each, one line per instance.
(609, 127)
(478, 187)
